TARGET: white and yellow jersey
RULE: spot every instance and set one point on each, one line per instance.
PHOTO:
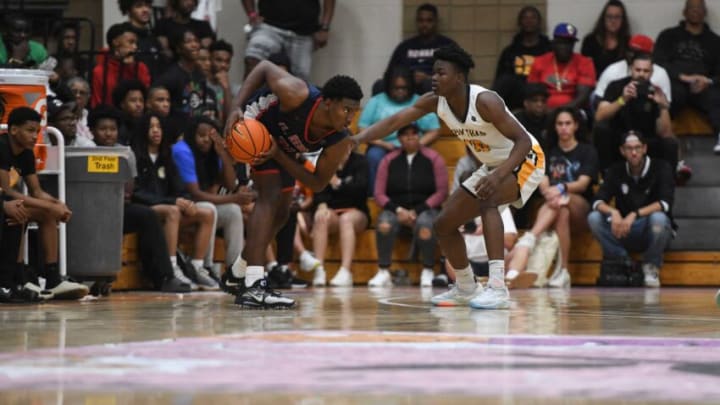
(486, 142)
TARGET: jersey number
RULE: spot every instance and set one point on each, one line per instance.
(479, 146)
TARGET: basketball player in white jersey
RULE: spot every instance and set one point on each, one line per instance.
(513, 166)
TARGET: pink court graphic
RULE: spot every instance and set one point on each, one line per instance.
(598, 368)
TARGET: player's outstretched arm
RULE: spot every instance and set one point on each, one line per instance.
(492, 109)
(425, 105)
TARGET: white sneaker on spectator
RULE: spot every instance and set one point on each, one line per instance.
(716, 149)
(178, 273)
(456, 297)
(69, 290)
(43, 294)
(492, 298)
(343, 278)
(652, 278)
(319, 280)
(381, 279)
(426, 278)
(308, 262)
(560, 279)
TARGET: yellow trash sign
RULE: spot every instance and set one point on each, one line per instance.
(103, 164)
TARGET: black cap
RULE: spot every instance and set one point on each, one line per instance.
(55, 106)
(404, 128)
(535, 89)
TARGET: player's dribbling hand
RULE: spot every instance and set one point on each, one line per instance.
(487, 186)
(265, 156)
(236, 115)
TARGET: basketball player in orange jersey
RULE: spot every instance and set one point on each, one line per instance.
(513, 166)
(300, 119)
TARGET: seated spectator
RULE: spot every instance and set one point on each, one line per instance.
(205, 166)
(621, 69)
(129, 98)
(16, 50)
(398, 95)
(221, 54)
(80, 88)
(204, 64)
(67, 37)
(64, 117)
(641, 220)
(189, 94)
(149, 49)
(13, 289)
(690, 54)
(341, 208)
(119, 64)
(568, 76)
(635, 103)
(137, 218)
(416, 53)
(170, 27)
(159, 186)
(411, 184)
(296, 27)
(567, 192)
(534, 115)
(158, 101)
(608, 40)
(516, 59)
(16, 152)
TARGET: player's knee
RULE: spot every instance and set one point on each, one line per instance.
(384, 227)
(425, 233)
(173, 213)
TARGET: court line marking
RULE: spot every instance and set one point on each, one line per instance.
(388, 301)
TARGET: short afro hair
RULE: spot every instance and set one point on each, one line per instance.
(221, 45)
(117, 30)
(340, 86)
(125, 87)
(126, 5)
(21, 115)
(103, 112)
(427, 7)
(457, 56)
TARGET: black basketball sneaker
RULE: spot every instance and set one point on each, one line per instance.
(231, 284)
(260, 296)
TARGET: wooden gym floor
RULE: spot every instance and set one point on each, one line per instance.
(357, 346)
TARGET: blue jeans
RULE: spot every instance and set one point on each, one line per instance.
(651, 235)
(386, 240)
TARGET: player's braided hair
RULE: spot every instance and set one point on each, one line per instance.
(457, 56)
(340, 86)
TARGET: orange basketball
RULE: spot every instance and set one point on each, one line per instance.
(247, 140)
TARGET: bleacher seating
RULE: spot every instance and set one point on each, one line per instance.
(682, 268)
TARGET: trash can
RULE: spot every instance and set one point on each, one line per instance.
(95, 192)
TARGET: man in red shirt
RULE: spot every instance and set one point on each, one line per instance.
(569, 76)
(119, 64)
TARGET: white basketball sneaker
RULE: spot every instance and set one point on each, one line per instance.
(343, 278)
(456, 297)
(381, 279)
(308, 262)
(492, 298)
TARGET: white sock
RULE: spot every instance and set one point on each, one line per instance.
(253, 274)
(173, 260)
(428, 269)
(320, 268)
(270, 265)
(496, 273)
(465, 279)
(239, 267)
(197, 263)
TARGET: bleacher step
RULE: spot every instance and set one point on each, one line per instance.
(697, 202)
(697, 234)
